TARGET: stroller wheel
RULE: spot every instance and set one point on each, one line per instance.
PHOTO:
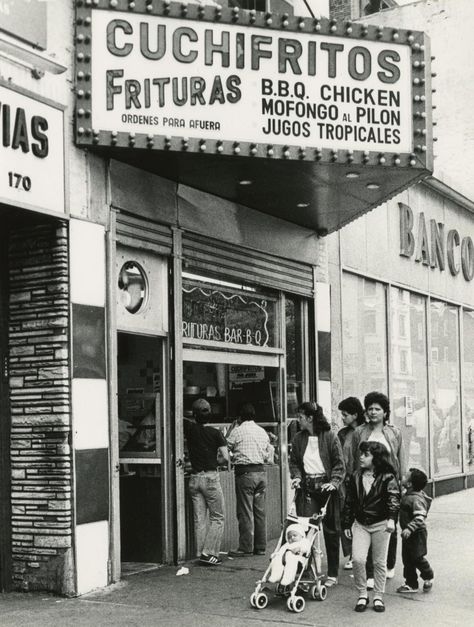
(252, 599)
(318, 592)
(261, 600)
(296, 604)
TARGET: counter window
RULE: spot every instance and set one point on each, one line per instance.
(227, 386)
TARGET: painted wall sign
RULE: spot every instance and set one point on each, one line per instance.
(246, 78)
(25, 19)
(31, 152)
(432, 244)
(219, 315)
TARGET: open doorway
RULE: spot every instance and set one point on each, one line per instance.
(140, 432)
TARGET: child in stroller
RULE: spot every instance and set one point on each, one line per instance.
(295, 564)
(285, 560)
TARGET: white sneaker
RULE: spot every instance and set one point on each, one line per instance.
(370, 583)
(330, 582)
(348, 565)
(390, 573)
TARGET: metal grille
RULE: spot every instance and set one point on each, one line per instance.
(248, 266)
(145, 234)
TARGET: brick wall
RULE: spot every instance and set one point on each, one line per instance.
(40, 407)
(340, 9)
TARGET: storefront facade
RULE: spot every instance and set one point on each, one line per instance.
(176, 264)
(403, 301)
(200, 315)
(216, 284)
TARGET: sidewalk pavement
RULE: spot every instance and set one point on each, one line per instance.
(219, 596)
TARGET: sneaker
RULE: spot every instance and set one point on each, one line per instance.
(330, 582)
(348, 565)
(390, 573)
(210, 560)
(370, 583)
(259, 552)
(406, 589)
(427, 585)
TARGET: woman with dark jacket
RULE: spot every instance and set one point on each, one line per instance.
(369, 517)
(317, 470)
(353, 416)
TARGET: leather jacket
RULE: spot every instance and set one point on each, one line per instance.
(330, 451)
(381, 503)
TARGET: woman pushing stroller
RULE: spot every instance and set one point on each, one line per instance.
(317, 469)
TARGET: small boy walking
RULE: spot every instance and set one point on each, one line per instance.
(414, 508)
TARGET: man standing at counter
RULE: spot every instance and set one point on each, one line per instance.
(204, 445)
(251, 448)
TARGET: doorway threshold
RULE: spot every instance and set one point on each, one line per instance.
(134, 568)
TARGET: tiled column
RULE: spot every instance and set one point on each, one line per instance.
(89, 404)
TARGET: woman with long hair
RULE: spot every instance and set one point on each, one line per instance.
(317, 470)
(353, 416)
(369, 517)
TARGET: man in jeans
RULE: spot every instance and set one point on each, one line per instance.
(251, 449)
(204, 445)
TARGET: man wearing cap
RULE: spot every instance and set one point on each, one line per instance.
(251, 448)
(204, 445)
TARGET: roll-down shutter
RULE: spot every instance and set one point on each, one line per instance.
(249, 266)
(141, 233)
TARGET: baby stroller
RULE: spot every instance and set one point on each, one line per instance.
(308, 575)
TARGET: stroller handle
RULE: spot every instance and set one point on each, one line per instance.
(322, 511)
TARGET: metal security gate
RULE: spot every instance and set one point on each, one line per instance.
(135, 231)
(250, 266)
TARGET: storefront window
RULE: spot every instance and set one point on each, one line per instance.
(364, 336)
(227, 387)
(295, 342)
(445, 380)
(409, 376)
(217, 313)
(468, 387)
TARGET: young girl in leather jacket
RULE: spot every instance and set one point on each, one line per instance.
(370, 511)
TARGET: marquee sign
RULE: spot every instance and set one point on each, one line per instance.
(31, 151)
(169, 76)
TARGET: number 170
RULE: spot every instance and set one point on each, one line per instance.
(18, 181)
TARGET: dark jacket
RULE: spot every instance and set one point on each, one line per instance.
(381, 503)
(329, 450)
(414, 509)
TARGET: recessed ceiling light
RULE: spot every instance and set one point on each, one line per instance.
(373, 186)
(302, 205)
(245, 182)
(352, 175)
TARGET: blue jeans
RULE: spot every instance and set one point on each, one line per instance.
(206, 494)
(250, 489)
